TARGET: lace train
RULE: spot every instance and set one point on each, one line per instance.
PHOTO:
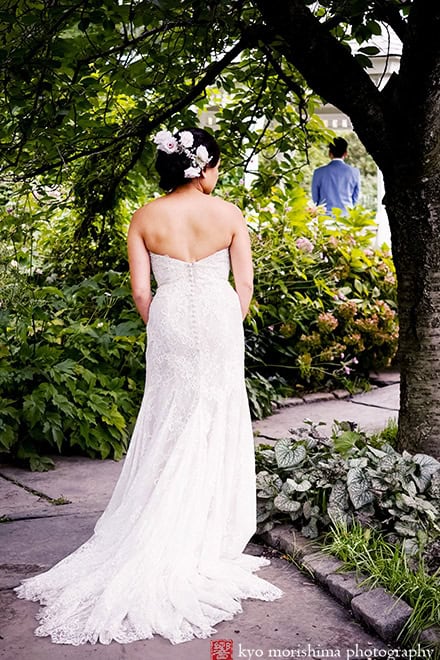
(179, 608)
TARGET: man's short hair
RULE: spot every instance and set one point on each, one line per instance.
(338, 147)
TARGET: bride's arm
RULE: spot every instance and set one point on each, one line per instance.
(140, 269)
(241, 261)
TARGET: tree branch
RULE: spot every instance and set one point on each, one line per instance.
(129, 43)
(287, 80)
(143, 127)
(308, 45)
(391, 15)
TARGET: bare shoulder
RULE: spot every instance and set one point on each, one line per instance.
(229, 210)
(145, 213)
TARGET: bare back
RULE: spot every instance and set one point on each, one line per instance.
(187, 226)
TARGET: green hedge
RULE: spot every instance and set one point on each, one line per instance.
(71, 368)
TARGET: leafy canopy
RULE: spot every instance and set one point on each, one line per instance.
(90, 81)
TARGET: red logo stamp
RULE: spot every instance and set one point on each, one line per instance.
(221, 649)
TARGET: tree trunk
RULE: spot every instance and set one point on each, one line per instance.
(400, 127)
(413, 207)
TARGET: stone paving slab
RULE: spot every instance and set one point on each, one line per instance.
(369, 419)
(370, 410)
(43, 533)
(15, 501)
(44, 541)
(321, 566)
(75, 478)
(345, 586)
(385, 397)
(305, 619)
(314, 397)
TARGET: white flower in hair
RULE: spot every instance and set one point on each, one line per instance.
(191, 172)
(161, 136)
(166, 142)
(202, 156)
(186, 139)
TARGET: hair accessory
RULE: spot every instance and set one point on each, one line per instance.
(183, 143)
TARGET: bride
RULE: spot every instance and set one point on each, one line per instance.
(166, 556)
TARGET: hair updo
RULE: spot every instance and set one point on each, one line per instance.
(171, 166)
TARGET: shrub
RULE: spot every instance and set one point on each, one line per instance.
(324, 310)
(72, 350)
(71, 367)
(313, 480)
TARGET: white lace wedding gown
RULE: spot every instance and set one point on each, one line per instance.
(166, 556)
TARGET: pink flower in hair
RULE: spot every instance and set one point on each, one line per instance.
(166, 142)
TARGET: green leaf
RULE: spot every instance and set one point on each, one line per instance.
(369, 50)
(338, 500)
(291, 486)
(374, 27)
(405, 530)
(285, 504)
(114, 418)
(345, 442)
(268, 485)
(67, 366)
(127, 329)
(311, 529)
(289, 454)
(359, 487)
(427, 466)
(41, 463)
(58, 437)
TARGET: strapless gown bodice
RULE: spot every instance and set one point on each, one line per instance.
(169, 270)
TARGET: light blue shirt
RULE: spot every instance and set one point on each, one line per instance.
(336, 185)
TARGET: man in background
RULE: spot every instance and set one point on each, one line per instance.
(337, 185)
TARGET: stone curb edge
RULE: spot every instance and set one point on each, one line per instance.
(312, 397)
(377, 609)
(377, 381)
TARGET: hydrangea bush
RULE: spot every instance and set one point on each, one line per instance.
(324, 310)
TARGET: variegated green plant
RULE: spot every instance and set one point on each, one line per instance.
(312, 480)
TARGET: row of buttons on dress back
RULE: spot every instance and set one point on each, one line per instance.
(194, 323)
(190, 270)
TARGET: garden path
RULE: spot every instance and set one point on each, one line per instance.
(307, 622)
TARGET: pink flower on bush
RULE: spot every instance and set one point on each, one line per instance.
(313, 209)
(389, 279)
(327, 322)
(347, 310)
(304, 244)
